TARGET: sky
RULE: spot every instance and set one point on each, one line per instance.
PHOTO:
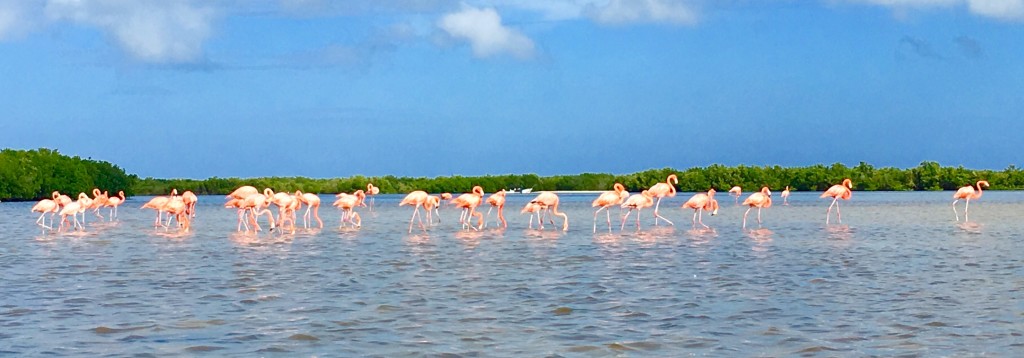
(319, 88)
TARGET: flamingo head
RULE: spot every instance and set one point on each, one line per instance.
(766, 191)
(846, 182)
(983, 182)
(711, 193)
(478, 190)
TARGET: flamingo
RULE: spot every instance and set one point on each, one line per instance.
(609, 199)
(190, 199)
(837, 192)
(73, 208)
(662, 190)
(469, 202)
(348, 203)
(235, 203)
(157, 203)
(534, 208)
(967, 193)
(416, 199)
(371, 191)
(736, 192)
(284, 202)
(312, 202)
(243, 192)
(177, 209)
(699, 203)
(785, 196)
(113, 203)
(98, 200)
(497, 200)
(762, 199)
(550, 202)
(259, 204)
(433, 202)
(46, 206)
(636, 202)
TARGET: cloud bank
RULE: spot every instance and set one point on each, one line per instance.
(1006, 10)
(483, 29)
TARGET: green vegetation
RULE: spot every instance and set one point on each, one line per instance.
(33, 174)
(927, 176)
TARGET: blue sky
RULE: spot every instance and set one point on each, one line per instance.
(435, 87)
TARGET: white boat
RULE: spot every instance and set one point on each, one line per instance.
(527, 191)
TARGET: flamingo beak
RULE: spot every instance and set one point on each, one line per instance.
(713, 213)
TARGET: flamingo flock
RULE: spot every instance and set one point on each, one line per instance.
(253, 204)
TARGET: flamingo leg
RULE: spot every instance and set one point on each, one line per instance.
(658, 216)
(624, 217)
(967, 206)
(595, 218)
(829, 212)
(501, 215)
(700, 218)
(694, 220)
(955, 214)
(759, 216)
(839, 214)
(488, 215)
(745, 216)
(608, 217)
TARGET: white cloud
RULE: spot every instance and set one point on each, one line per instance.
(15, 18)
(150, 30)
(617, 12)
(485, 33)
(999, 9)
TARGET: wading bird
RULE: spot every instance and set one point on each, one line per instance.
(468, 202)
(416, 199)
(497, 200)
(549, 201)
(636, 202)
(699, 203)
(839, 191)
(609, 199)
(785, 196)
(736, 192)
(662, 190)
(967, 193)
(762, 199)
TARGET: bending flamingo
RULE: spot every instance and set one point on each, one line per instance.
(736, 192)
(699, 203)
(762, 199)
(497, 200)
(636, 202)
(609, 199)
(371, 191)
(469, 202)
(836, 192)
(312, 202)
(662, 190)
(416, 199)
(549, 201)
(967, 193)
(534, 208)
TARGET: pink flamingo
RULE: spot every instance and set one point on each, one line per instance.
(190, 199)
(699, 203)
(73, 208)
(243, 192)
(235, 203)
(736, 192)
(113, 203)
(497, 200)
(312, 202)
(762, 199)
(967, 193)
(549, 201)
(157, 203)
(433, 202)
(609, 199)
(534, 208)
(785, 196)
(46, 206)
(468, 202)
(371, 191)
(416, 199)
(662, 190)
(284, 202)
(837, 192)
(347, 203)
(99, 200)
(259, 204)
(177, 209)
(636, 202)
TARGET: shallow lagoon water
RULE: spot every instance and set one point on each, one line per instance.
(898, 277)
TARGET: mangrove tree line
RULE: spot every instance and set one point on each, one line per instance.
(34, 174)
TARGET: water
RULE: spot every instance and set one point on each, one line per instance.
(898, 277)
